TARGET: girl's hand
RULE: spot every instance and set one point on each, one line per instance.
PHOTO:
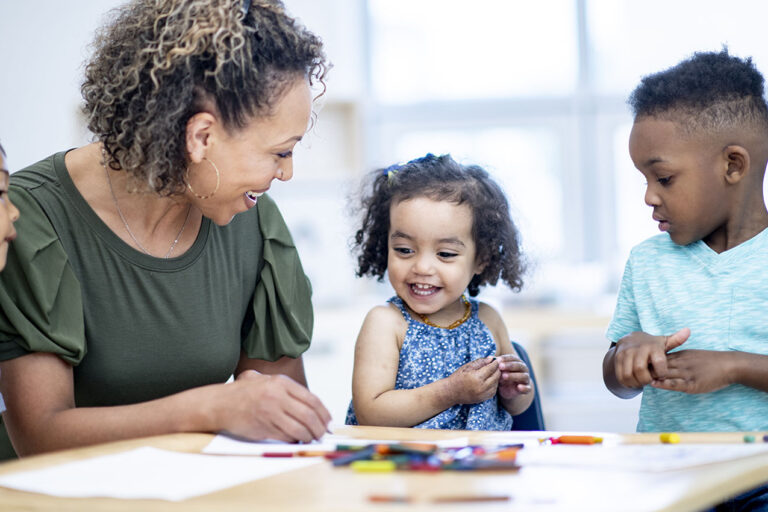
(640, 357)
(273, 407)
(475, 381)
(514, 379)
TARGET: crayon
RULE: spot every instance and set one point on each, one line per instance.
(507, 454)
(373, 466)
(410, 447)
(363, 454)
(468, 498)
(385, 498)
(669, 438)
(579, 439)
(572, 440)
(749, 439)
(277, 454)
(483, 464)
(350, 447)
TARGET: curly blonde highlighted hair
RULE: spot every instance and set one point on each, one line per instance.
(159, 62)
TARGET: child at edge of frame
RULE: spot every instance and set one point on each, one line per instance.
(433, 357)
(690, 329)
(8, 215)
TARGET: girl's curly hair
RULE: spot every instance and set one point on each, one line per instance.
(443, 179)
(159, 62)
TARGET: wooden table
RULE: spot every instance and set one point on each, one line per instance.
(323, 487)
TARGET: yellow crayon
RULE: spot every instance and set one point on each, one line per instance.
(669, 437)
(373, 466)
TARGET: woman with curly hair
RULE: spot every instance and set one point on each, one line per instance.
(149, 267)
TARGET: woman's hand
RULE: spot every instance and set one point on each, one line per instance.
(475, 381)
(272, 407)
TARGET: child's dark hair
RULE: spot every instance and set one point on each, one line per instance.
(710, 90)
(2, 150)
(443, 179)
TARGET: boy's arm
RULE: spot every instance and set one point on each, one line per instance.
(705, 371)
(377, 357)
(515, 384)
(610, 379)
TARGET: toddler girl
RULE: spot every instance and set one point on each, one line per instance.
(431, 357)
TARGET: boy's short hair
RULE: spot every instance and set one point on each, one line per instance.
(710, 91)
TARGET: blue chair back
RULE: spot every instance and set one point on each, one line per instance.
(532, 418)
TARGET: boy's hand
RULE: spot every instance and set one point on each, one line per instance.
(514, 379)
(640, 358)
(694, 371)
(475, 381)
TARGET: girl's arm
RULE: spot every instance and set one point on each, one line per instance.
(377, 354)
(41, 416)
(515, 384)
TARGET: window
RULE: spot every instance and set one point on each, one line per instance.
(536, 93)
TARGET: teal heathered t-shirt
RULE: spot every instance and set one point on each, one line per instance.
(136, 327)
(723, 299)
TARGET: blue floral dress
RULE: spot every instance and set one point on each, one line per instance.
(433, 353)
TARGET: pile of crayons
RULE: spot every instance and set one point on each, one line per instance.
(424, 457)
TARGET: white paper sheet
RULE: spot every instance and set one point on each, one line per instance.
(149, 473)
(225, 445)
(646, 457)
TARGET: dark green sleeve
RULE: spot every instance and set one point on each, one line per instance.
(41, 308)
(282, 303)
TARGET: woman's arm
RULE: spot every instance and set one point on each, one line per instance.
(41, 415)
(377, 356)
(515, 384)
(293, 367)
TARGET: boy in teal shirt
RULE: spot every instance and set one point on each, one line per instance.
(690, 329)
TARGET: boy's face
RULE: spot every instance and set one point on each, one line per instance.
(685, 176)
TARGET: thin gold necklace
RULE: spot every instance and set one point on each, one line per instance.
(464, 318)
(125, 222)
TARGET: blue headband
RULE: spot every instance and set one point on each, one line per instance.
(392, 169)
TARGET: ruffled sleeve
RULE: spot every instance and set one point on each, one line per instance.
(282, 302)
(41, 307)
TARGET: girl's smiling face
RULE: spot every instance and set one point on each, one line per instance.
(431, 256)
(8, 213)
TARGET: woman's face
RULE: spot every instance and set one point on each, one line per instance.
(249, 159)
(8, 213)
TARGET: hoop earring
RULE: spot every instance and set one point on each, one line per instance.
(218, 181)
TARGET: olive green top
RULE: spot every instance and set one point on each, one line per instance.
(136, 327)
